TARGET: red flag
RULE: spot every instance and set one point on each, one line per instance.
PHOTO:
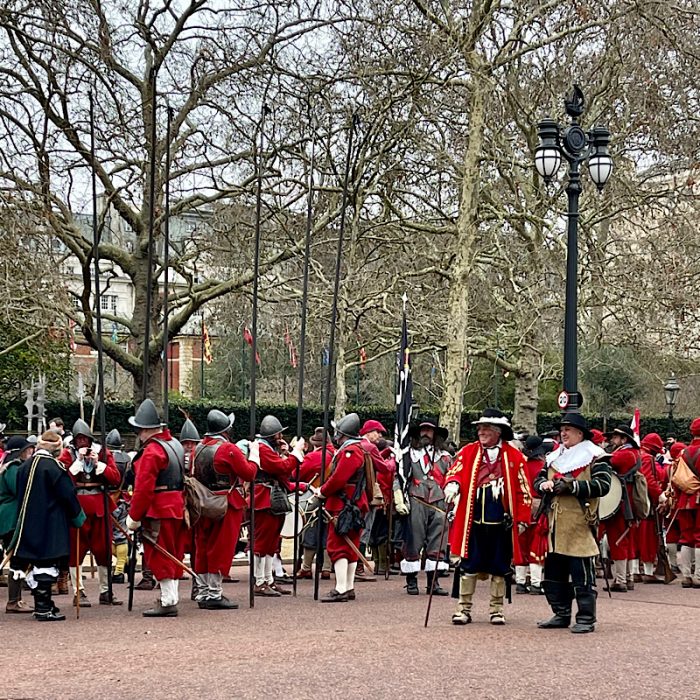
(206, 342)
(635, 424)
(292, 350)
(248, 337)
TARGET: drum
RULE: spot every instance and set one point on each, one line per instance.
(609, 504)
(289, 519)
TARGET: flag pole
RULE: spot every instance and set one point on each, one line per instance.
(302, 344)
(254, 349)
(331, 343)
(100, 385)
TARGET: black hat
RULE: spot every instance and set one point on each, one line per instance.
(535, 446)
(189, 432)
(80, 427)
(496, 418)
(114, 439)
(348, 425)
(627, 432)
(218, 422)
(146, 416)
(269, 427)
(440, 432)
(576, 420)
(17, 443)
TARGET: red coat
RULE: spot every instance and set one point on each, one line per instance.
(311, 466)
(229, 460)
(281, 468)
(533, 467)
(93, 504)
(348, 462)
(516, 498)
(386, 479)
(651, 473)
(691, 454)
(146, 501)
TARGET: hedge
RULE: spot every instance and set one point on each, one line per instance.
(13, 413)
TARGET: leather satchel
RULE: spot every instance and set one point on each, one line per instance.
(279, 501)
(203, 503)
(685, 478)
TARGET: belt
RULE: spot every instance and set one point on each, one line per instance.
(87, 492)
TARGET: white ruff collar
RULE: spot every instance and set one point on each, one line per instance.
(568, 460)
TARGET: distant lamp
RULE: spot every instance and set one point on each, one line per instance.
(671, 389)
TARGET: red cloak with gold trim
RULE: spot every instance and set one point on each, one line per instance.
(516, 497)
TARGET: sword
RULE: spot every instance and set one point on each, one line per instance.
(332, 519)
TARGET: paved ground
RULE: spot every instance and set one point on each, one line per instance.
(645, 647)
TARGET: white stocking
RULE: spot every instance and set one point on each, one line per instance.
(341, 575)
(269, 578)
(73, 570)
(169, 592)
(350, 585)
(259, 570)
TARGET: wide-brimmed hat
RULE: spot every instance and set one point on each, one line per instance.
(627, 432)
(576, 420)
(17, 444)
(369, 425)
(316, 439)
(496, 418)
(440, 431)
(535, 446)
(652, 442)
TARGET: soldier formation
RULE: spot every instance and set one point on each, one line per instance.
(549, 514)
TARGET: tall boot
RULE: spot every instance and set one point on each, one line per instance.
(467, 586)
(585, 615)
(686, 566)
(15, 604)
(497, 592)
(412, 584)
(62, 583)
(559, 596)
(438, 589)
(44, 610)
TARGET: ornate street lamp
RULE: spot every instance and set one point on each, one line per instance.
(576, 146)
(671, 389)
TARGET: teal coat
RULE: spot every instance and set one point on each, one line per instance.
(9, 505)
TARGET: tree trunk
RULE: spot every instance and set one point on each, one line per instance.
(467, 226)
(527, 391)
(341, 394)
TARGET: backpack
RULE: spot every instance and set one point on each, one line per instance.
(641, 504)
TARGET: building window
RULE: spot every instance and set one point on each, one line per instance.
(108, 302)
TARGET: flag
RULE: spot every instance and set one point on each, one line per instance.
(248, 337)
(635, 425)
(404, 399)
(292, 350)
(72, 345)
(206, 345)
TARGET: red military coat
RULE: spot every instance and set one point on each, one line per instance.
(146, 501)
(272, 464)
(651, 473)
(230, 460)
(311, 466)
(690, 455)
(347, 463)
(516, 497)
(92, 503)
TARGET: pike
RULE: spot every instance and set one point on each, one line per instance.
(166, 265)
(331, 343)
(78, 574)
(254, 351)
(302, 343)
(100, 386)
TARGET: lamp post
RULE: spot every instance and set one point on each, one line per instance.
(576, 146)
(671, 389)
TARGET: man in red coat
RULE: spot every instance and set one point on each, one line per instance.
(222, 467)
(158, 500)
(274, 471)
(689, 515)
(647, 535)
(92, 470)
(621, 527)
(345, 483)
(490, 478)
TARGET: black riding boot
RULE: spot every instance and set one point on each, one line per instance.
(585, 616)
(412, 584)
(44, 609)
(559, 596)
(438, 590)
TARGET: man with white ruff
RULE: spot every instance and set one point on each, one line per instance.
(574, 478)
(494, 505)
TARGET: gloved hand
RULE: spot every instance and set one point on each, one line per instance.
(76, 467)
(564, 486)
(132, 524)
(99, 469)
(402, 508)
(298, 449)
(451, 492)
(254, 452)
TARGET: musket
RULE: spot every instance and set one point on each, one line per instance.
(435, 573)
(663, 565)
(100, 388)
(302, 343)
(254, 350)
(132, 571)
(331, 344)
